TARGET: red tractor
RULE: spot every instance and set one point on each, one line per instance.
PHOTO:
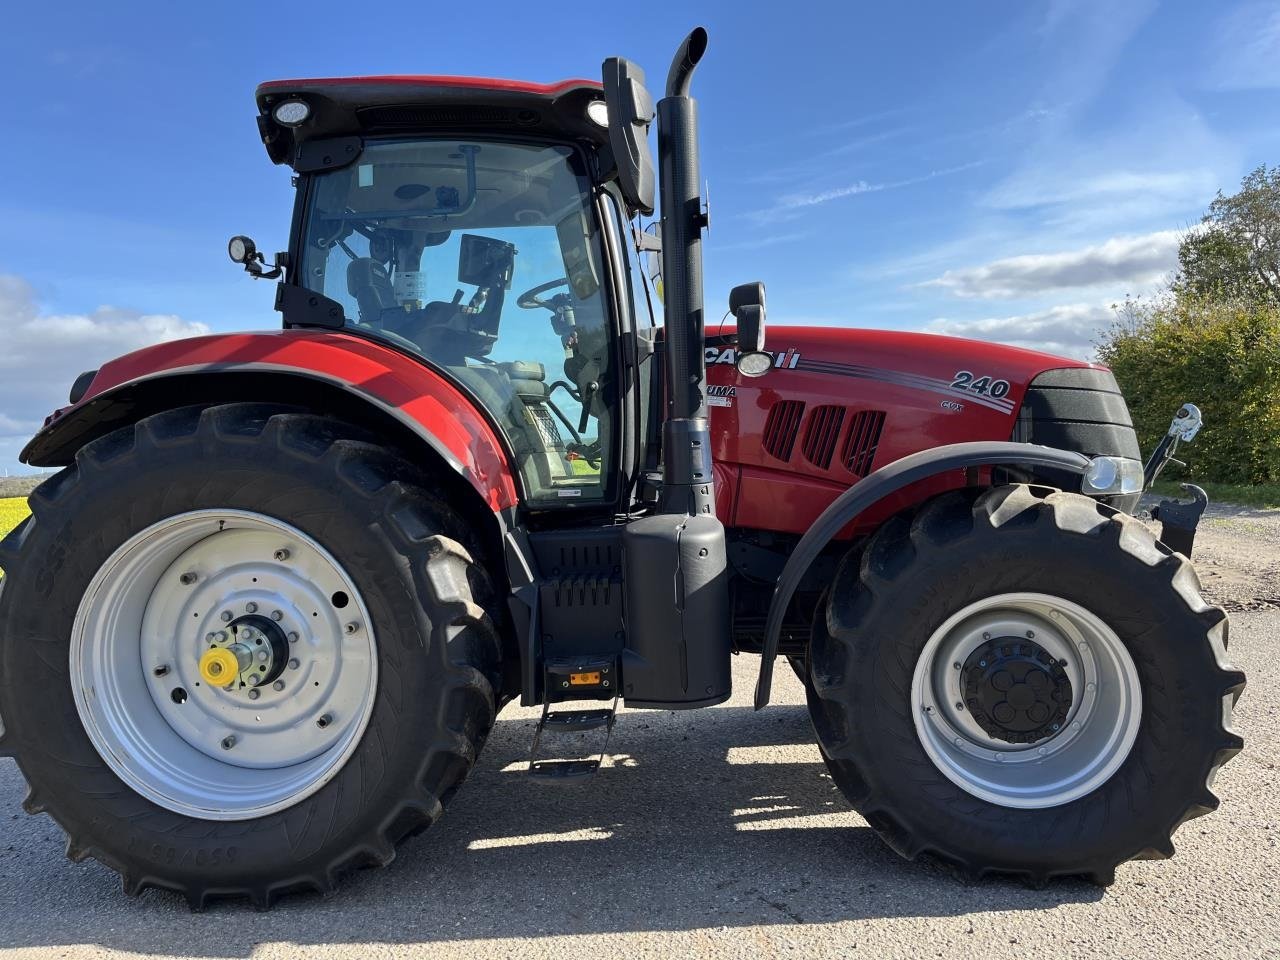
(260, 624)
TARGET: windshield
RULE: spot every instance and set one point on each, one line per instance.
(485, 258)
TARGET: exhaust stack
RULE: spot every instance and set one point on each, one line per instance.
(687, 484)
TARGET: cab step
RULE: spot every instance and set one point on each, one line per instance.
(582, 678)
(568, 720)
(564, 771)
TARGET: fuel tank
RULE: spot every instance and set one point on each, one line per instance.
(838, 403)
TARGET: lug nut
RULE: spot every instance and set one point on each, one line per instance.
(353, 626)
(263, 656)
(226, 616)
(1031, 634)
(254, 694)
(959, 705)
(324, 721)
(294, 664)
(254, 679)
(293, 638)
(251, 607)
(278, 685)
(277, 616)
(956, 665)
(281, 555)
(228, 743)
(986, 636)
(220, 636)
(187, 579)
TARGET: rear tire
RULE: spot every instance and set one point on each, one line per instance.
(895, 592)
(410, 556)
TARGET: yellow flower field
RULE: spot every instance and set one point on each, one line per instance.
(12, 511)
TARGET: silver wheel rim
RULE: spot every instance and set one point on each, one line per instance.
(212, 578)
(1093, 738)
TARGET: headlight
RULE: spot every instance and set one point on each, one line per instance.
(1107, 476)
(754, 363)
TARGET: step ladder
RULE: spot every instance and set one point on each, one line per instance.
(575, 678)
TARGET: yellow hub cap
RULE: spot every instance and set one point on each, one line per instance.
(219, 667)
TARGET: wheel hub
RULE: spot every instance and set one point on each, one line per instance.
(1016, 691)
(250, 652)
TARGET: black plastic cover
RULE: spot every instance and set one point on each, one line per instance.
(677, 609)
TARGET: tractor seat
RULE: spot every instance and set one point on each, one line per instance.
(528, 379)
(368, 282)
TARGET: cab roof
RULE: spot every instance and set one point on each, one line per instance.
(426, 105)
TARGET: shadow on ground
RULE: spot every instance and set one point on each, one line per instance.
(719, 818)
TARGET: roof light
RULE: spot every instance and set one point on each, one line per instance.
(290, 113)
(598, 113)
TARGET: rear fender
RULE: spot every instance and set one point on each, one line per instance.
(875, 487)
(337, 374)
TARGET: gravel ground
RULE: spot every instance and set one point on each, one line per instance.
(715, 834)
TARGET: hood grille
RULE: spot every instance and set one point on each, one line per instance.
(821, 434)
(862, 441)
(781, 427)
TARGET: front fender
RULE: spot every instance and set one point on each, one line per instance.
(352, 372)
(875, 487)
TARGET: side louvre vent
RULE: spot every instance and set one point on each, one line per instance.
(781, 427)
(821, 434)
(860, 443)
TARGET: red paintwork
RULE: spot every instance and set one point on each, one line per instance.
(480, 83)
(770, 494)
(399, 382)
(753, 488)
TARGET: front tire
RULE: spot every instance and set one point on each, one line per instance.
(388, 659)
(1121, 718)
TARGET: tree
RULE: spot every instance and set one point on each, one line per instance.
(1236, 252)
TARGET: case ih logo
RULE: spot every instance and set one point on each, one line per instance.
(782, 360)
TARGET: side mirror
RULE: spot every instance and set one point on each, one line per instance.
(244, 251)
(747, 304)
(630, 109)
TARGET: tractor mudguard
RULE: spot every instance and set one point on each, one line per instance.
(873, 488)
(351, 374)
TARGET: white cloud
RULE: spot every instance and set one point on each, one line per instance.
(1139, 261)
(43, 353)
(793, 205)
(1069, 330)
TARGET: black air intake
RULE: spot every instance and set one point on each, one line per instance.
(781, 427)
(820, 435)
(862, 442)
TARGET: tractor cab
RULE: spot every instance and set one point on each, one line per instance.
(463, 221)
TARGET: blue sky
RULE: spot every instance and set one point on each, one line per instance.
(1004, 170)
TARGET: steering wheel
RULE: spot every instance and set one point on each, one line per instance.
(531, 299)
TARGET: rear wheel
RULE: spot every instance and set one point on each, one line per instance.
(1023, 681)
(243, 650)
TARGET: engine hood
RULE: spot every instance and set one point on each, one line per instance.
(839, 403)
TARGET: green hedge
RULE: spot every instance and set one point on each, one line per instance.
(1223, 357)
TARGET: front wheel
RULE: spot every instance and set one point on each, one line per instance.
(1023, 681)
(242, 650)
